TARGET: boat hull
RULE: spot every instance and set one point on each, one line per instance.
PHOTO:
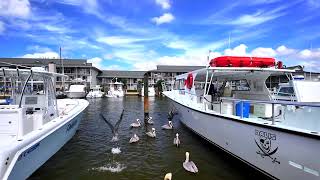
(275, 152)
(76, 94)
(40, 151)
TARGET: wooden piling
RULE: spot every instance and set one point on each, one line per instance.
(146, 96)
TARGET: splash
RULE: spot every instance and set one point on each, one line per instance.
(115, 168)
(115, 138)
(115, 150)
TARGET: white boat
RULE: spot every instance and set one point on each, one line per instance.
(95, 92)
(115, 89)
(76, 91)
(151, 91)
(33, 125)
(279, 138)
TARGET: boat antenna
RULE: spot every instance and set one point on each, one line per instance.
(208, 58)
(62, 68)
(229, 41)
(310, 68)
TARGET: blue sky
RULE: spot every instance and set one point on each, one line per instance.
(139, 34)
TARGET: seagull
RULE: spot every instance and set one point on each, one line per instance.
(114, 128)
(189, 165)
(176, 140)
(168, 126)
(150, 120)
(168, 176)
(152, 133)
(137, 124)
(134, 139)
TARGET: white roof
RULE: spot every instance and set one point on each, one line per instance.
(234, 71)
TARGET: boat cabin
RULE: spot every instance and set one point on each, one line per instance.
(28, 101)
(241, 92)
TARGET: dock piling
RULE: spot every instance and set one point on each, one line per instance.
(146, 96)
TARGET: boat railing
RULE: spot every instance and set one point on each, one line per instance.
(302, 115)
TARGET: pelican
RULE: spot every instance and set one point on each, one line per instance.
(189, 165)
(168, 176)
(137, 124)
(150, 120)
(152, 133)
(114, 128)
(168, 126)
(176, 140)
(134, 139)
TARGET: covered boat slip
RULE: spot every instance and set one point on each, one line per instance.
(241, 94)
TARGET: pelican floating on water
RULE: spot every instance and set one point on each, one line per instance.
(168, 176)
(168, 126)
(176, 140)
(152, 133)
(189, 165)
(134, 139)
(150, 121)
(136, 124)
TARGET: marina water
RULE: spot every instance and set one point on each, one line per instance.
(90, 154)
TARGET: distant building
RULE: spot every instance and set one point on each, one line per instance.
(129, 78)
(74, 68)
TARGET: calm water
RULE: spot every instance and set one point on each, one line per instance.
(88, 154)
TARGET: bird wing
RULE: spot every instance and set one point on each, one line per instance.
(194, 167)
(108, 123)
(116, 126)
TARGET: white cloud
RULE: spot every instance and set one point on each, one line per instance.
(283, 50)
(121, 41)
(178, 44)
(254, 19)
(165, 4)
(53, 28)
(165, 18)
(237, 51)
(39, 49)
(264, 52)
(310, 54)
(96, 62)
(313, 3)
(2, 28)
(113, 67)
(89, 6)
(15, 8)
(49, 54)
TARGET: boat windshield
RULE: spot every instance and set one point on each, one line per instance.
(27, 89)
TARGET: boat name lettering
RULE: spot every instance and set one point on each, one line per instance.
(71, 125)
(265, 135)
(28, 151)
(264, 141)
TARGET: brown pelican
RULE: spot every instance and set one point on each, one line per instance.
(152, 133)
(137, 124)
(134, 139)
(168, 176)
(176, 140)
(168, 126)
(114, 128)
(189, 165)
